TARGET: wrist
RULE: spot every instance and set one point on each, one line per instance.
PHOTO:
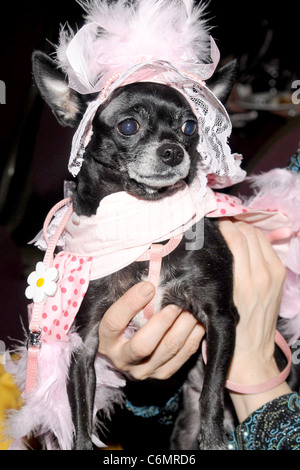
(259, 367)
(245, 405)
(255, 372)
(252, 370)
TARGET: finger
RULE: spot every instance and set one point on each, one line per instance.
(152, 369)
(264, 261)
(189, 348)
(123, 310)
(258, 243)
(237, 243)
(145, 340)
(268, 250)
(256, 254)
(173, 340)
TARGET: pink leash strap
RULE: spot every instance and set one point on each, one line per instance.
(269, 384)
(154, 255)
(34, 342)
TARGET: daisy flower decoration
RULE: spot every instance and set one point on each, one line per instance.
(42, 283)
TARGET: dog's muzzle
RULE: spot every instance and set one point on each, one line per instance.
(171, 154)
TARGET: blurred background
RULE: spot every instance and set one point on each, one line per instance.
(34, 149)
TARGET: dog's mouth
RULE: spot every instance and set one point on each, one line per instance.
(154, 180)
(147, 189)
(157, 182)
(163, 189)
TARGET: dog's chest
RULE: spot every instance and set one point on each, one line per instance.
(188, 278)
(183, 272)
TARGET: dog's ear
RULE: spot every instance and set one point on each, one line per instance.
(222, 81)
(66, 104)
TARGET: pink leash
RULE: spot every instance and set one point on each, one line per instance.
(34, 342)
(154, 255)
(269, 384)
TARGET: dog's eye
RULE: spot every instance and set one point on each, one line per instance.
(129, 127)
(189, 128)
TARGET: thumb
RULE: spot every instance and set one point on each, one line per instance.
(124, 309)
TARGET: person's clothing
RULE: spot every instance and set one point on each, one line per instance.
(274, 426)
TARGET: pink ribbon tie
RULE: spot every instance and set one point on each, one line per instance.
(154, 255)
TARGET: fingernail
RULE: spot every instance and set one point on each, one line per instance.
(145, 289)
(175, 308)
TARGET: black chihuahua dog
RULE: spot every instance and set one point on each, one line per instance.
(149, 158)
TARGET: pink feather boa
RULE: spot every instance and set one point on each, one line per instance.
(46, 412)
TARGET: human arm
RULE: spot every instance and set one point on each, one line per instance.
(258, 280)
(268, 420)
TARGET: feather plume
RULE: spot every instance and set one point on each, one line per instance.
(46, 410)
(119, 34)
(153, 26)
(279, 190)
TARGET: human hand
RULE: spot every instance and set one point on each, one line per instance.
(258, 281)
(159, 348)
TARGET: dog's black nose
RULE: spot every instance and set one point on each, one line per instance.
(171, 154)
